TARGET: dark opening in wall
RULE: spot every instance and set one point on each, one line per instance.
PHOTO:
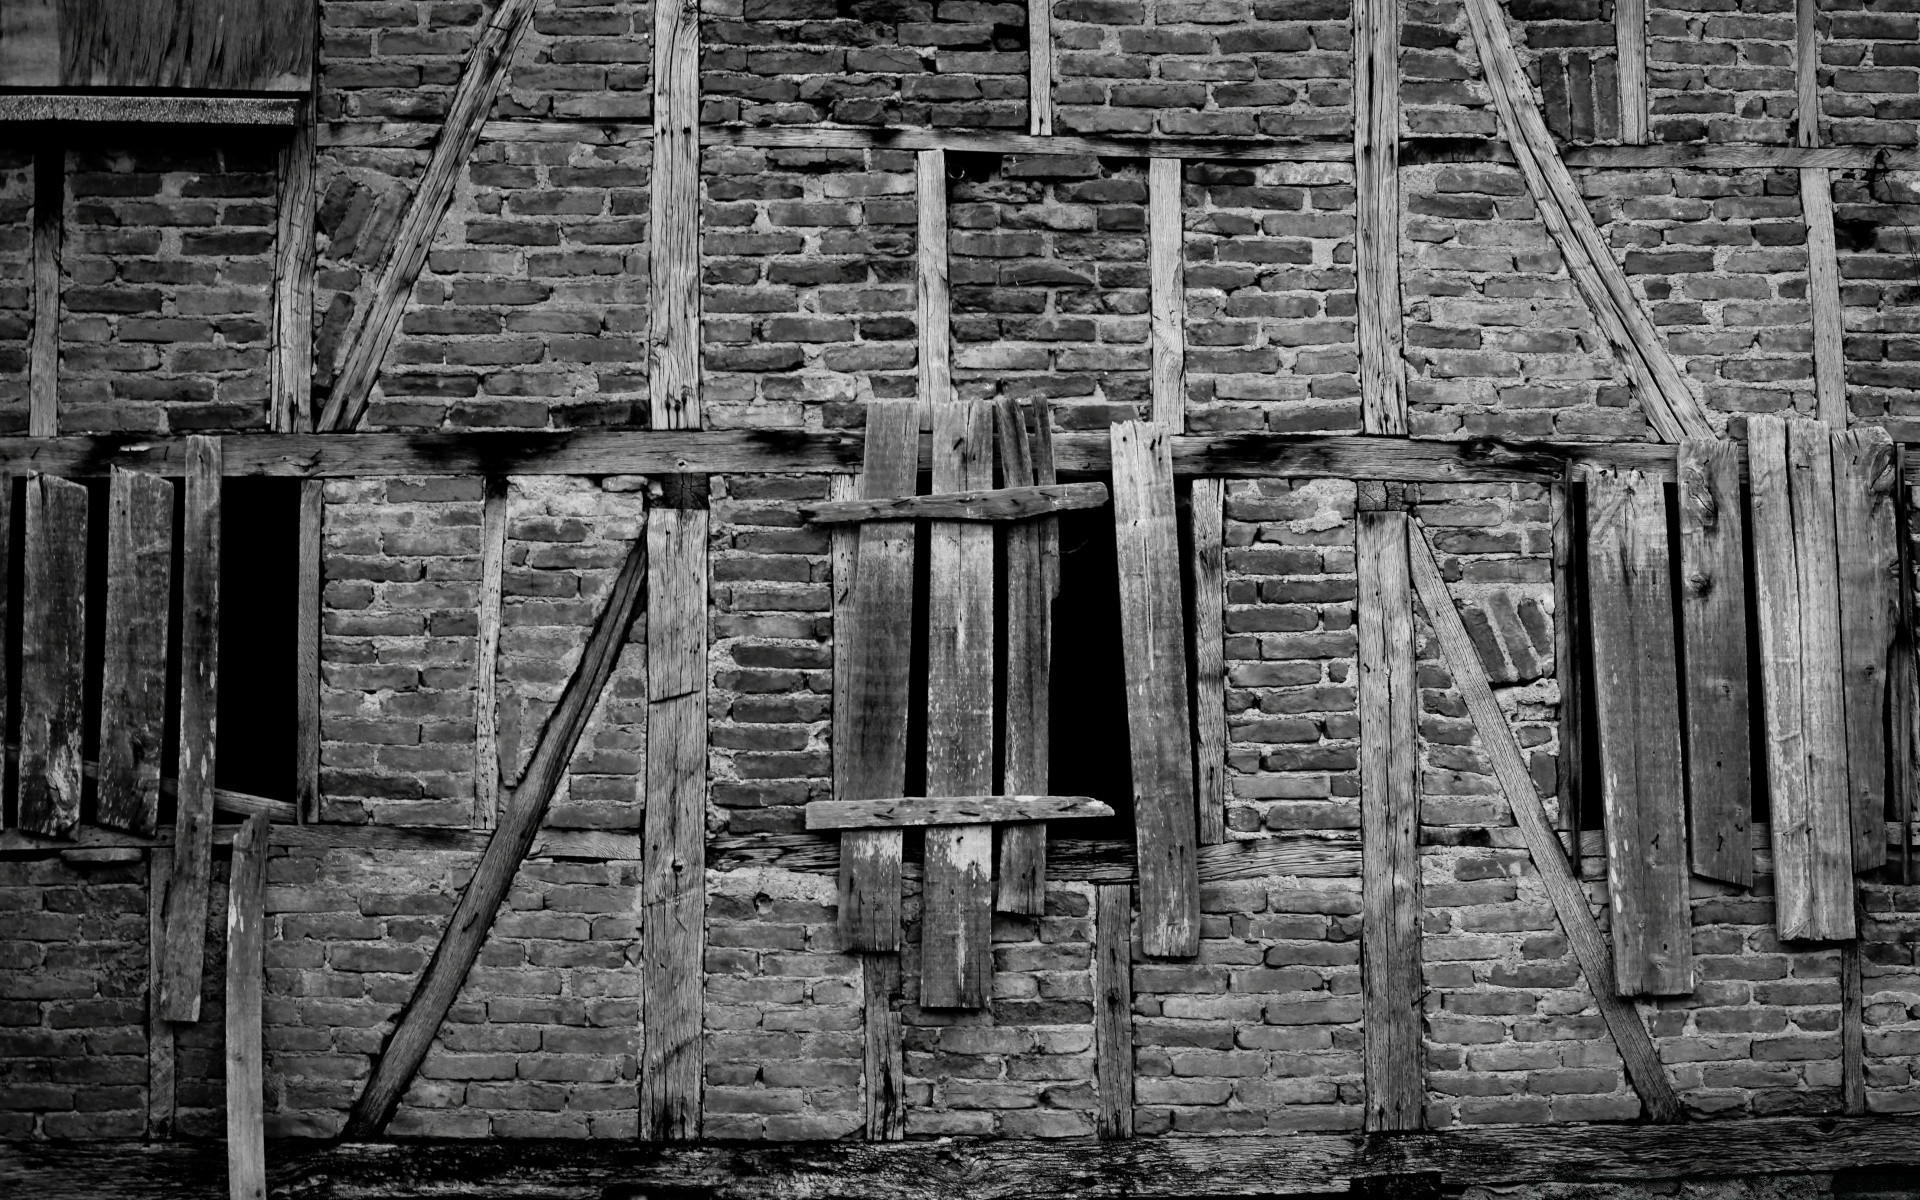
(259, 604)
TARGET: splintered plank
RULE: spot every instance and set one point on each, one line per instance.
(1495, 737)
(1153, 642)
(246, 967)
(1713, 612)
(1864, 489)
(1168, 294)
(1209, 659)
(1113, 1009)
(53, 604)
(1025, 732)
(872, 657)
(1635, 699)
(673, 891)
(133, 692)
(956, 948)
(902, 811)
(199, 679)
(1389, 826)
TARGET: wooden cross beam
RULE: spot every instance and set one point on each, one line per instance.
(981, 504)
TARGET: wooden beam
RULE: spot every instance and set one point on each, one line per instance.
(673, 889)
(601, 845)
(1853, 1034)
(290, 409)
(1903, 703)
(246, 972)
(1390, 960)
(160, 1049)
(1025, 720)
(1207, 505)
(1630, 53)
(1806, 72)
(1376, 174)
(306, 647)
(53, 606)
(92, 109)
(1113, 1010)
(956, 932)
(43, 349)
(486, 665)
(8, 673)
(1040, 68)
(199, 683)
(1636, 697)
(902, 811)
(1569, 899)
(673, 222)
(1167, 292)
(133, 691)
(506, 847)
(933, 301)
(1153, 644)
(1823, 294)
(377, 321)
(1713, 612)
(1671, 406)
(1569, 637)
(885, 1068)
(1019, 503)
(840, 137)
(1868, 588)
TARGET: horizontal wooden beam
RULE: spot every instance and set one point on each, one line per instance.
(818, 137)
(548, 843)
(985, 504)
(901, 811)
(87, 108)
(1071, 860)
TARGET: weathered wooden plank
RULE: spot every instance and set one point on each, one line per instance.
(1026, 731)
(1853, 1065)
(1713, 613)
(933, 300)
(306, 647)
(160, 1055)
(43, 348)
(1868, 585)
(673, 226)
(599, 844)
(1014, 503)
(1635, 698)
(1823, 295)
(506, 846)
(876, 644)
(1113, 1009)
(1390, 959)
(956, 949)
(220, 45)
(199, 681)
(1671, 406)
(1207, 505)
(903, 811)
(486, 664)
(290, 409)
(1569, 899)
(1806, 73)
(1040, 60)
(1376, 174)
(958, 141)
(673, 880)
(1167, 293)
(246, 972)
(53, 606)
(133, 690)
(1569, 635)
(1630, 42)
(82, 108)
(1153, 642)
(1903, 703)
(885, 1068)
(485, 74)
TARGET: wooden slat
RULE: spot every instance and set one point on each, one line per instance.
(1569, 899)
(1167, 292)
(1713, 612)
(43, 351)
(1026, 732)
(1209, 659)
(199, 682)
(133, 690)
(1636, 697)
(378, 320)
(160, 1049)
(956, 951)
(1390, 960)
(673, 881)
(933, 302)
(1630, 41)
(1040, 59)
(1376, 173)
(1823, 294)
(673, 225)
(290, 409)
(1671, 406)
(1153, 642)
(306, 646)
(506, 847)
(1569, 635)
(885, 1068)
(1113, 1009)
(246, 971)
(1016, 503)
(1868, 586)
(53, 602)
(876, 644)
(486, 665)
(903, 811)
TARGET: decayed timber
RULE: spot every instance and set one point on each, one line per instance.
(872, 654)
(509, 843)
(1823, 295)
(375, 324)
(1113, 1009)
(43, 348)
(1569, 899)
(1713, 612)
(133, 690)
(1635, 698)
(673, 220)
(933, 300)
(1153, 643)
(291, 407)
(956, 928)
(902, 811)
(885, 1068)
(199, 681)
(1167, 291)
(1207, 505)
(822, 137)
(1868, 585)
(1040, 68)
(673, 890)
(1671, 406)
(53, 601)
(1026, 732)
(306, 648)
(246, 971)
(160, 1056)
(1630, 42)
(486, 712)
(979, 504)
(1376, 176)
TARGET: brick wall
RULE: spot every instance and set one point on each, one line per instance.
(1721, 74)
(1870, 72)
(1882, 328)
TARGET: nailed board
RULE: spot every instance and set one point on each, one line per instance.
(1713, 613)
(53, 624)
(207, 45)
(1864, 497)
(133, 699)
(1026, 732)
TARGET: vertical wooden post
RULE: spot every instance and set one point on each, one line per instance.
(160, 1063)
(1040, 67)
(133, 690)
(6, 615)
(885, 1067)
(1853, 1033)
(674, 219)
(486, 657)
(1207, 504)
(246, 965)
(1389, 826)
(1167, 294)
(1713, 611)
(291, 408)
(1569, 636)
(932, 300)
(43, 355)
(1864, 490)
(1026, 739)
(1816, 208)
(1906, 678)
(1113, 1008)
(306, 696)
(53, 603)
(1376, 169)
(1630, 47)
